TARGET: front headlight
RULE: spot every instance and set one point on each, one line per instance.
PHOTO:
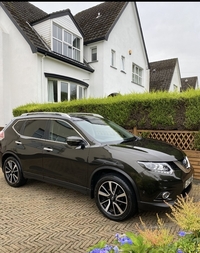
(163, 168)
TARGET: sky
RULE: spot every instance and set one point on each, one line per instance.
(170, 30)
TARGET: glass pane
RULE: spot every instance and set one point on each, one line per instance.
(59, 47)
(64, 91)
(55, 91)
(94, 54)
(76, 54)
(54, 31)
(80, 92)
(67, 37)
(35, 128)
(60, 130)
(69, 54)
(76, 42)
(65, 47)
(73, 92)
(59, 33)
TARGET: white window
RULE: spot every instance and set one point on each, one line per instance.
(66, 43)
(94, 54)
(113, 58)
(60, 91)
(136, 74)
(122, 63)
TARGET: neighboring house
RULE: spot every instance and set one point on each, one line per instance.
(55, 57)
(189, 83)
(165, 75)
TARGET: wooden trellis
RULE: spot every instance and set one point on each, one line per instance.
(181, 139)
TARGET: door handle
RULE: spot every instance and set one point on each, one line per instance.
(18, 142)
(48, 149)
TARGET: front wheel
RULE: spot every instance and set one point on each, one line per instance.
(13, 172)
(115, 198)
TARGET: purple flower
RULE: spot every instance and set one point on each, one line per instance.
(106, 249)
(182, 233)
(123, 239)
(179, 251)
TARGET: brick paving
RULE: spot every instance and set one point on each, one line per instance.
(43, 218)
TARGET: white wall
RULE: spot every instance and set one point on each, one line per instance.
(125, 36)
(176, 79)
(18, 75)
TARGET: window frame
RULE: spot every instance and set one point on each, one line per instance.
(113, 58)
(56, 97)
(93, 55)
(137, 74)
(70, 43)
(123, 63)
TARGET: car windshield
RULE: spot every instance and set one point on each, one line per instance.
(104, 130)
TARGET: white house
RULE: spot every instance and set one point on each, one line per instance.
(54, 57)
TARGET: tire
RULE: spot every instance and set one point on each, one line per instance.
(13, 172)
(115, 198)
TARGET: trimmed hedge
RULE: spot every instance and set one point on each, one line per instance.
(156, 110)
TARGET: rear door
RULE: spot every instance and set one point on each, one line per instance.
(29, 147)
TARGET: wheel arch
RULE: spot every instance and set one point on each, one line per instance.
(114, 171)
(8, 154)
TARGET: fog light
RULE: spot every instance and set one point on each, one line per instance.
(165, 195)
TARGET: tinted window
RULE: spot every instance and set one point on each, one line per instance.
(18, 126)
(60, 130)
(35, 128)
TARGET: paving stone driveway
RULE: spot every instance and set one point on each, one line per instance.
(41, 218)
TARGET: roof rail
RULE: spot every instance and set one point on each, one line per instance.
(46, 113)
(84, 113)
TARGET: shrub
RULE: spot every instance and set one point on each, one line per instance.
(185, 213)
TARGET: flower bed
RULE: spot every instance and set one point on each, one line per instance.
(185, 213)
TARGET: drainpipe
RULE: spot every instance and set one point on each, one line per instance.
(42, 98)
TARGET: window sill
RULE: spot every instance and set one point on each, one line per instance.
(113, 67)
(93, 61)
(123, 71)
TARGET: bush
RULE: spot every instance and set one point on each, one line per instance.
(185, 213)
(155, 110)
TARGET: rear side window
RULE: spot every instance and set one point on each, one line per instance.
(35, 128)
(18, 126)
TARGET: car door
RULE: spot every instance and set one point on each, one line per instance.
(29, 147)
(64, 164)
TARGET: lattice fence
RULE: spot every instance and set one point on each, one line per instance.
(181, 139)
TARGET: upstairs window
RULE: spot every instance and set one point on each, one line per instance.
(94, 54)
(66, 43)
(136, 74)
(113, 58)
(123, 63)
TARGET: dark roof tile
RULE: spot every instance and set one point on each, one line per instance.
(161, 73)
(188, 82)
(97, 22)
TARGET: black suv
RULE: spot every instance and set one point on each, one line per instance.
(86, 152)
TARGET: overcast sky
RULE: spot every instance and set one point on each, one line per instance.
(170, 29)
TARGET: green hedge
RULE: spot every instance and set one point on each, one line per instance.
(156, 110)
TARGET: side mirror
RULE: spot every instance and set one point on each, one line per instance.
(76, 141)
